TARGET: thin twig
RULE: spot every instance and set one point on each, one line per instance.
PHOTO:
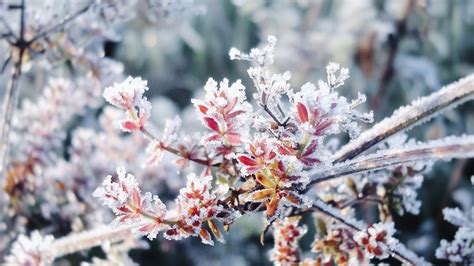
(150, 137)
(407, 117)
(273, 116)
(60, 24)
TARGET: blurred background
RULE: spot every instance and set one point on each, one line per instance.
(396, 51)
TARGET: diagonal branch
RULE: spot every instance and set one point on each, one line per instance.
(60, 24)
(393, 45)
(88, 239)
(443, 149)
(399, 252)
(406, 117)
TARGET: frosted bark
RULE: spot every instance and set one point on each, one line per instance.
(445, 149)
(407, 117)
(88, 239)
(399, 251)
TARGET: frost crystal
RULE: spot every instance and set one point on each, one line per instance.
(34, 250)
(286, 234)
(461, 249)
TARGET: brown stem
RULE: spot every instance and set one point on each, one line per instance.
(11, 97)
(393, 44)
(273, 116)
(174, 151)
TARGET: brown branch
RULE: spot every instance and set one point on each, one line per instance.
(409, 116)
(393, 44)
(11, 97)
(149, 136)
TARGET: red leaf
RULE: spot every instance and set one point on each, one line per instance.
(302, 112)
(311, 148)
(310, 161)
(202, 108)
(213, 137)
(129, 125)
(211, 123)
(322, 126)
(246, 160)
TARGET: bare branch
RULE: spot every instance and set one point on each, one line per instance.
(11, 98)
(393, 45)
(60, 24)
(406, 117)
(444, 149)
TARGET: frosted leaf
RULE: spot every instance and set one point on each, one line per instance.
(114, 194)
(335, 79)
(234, 54)
(34, 250)
(377, 239)
(456, 217)
(127, 94)
(286, 234)
(323, 111)
(156, 148)
(224, 111)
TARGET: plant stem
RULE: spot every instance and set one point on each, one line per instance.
(407, 117)
(446, 148)
(393, 44)
(11, 97)
(399, 252)
(152, 138)
(87, 239)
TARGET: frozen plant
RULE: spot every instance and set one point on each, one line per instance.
(273, 156)
(461, 248)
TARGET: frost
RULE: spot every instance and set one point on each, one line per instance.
(34, 250)
(404, 118)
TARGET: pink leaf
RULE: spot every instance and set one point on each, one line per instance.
(302, 112)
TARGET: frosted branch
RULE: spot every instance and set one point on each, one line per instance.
(399, 251)
(445, 149)
(407, 117)
(89, 239)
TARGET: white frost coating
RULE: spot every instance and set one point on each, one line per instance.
(446, 149)
(407, 117)
(398, 250)
(88, 239)
(336, 214)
